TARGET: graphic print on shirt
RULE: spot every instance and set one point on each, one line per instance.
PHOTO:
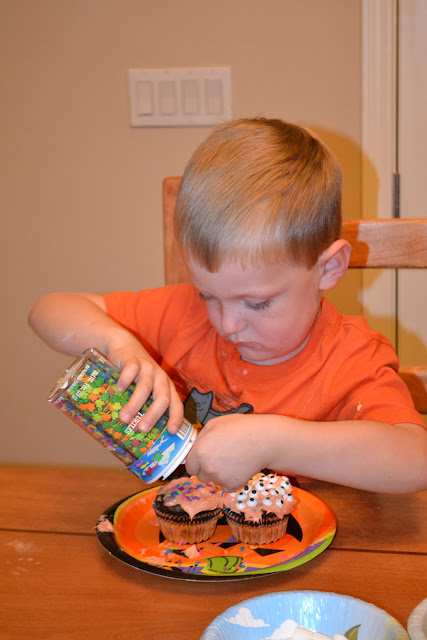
(198, 407)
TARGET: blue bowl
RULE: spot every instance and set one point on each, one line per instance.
(261, 618)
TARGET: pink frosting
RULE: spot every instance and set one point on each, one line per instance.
(192, 495)
(263, 493)
(268, 493)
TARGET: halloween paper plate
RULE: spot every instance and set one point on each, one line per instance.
(129, 530)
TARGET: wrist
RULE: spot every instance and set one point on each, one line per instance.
(265, 436)
(274, 442)
(117, 339)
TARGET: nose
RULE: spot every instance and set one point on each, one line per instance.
(232, 322)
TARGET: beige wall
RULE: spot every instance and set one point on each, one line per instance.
(81, 190)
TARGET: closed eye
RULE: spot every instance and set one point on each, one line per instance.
(258, 306)
(253, 306)
(205, 297)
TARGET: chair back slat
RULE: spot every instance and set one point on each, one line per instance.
(387, 243)
(415, 379)
(175, 269)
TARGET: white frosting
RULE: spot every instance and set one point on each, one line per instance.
(264, 493)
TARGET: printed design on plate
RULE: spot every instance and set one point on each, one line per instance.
(310, 530)
(287, 630)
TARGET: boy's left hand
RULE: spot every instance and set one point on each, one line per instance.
(228, 451)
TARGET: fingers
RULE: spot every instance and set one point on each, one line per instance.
(224, 454)
(192, 465)
(176, 410)
(128, 374)
(199, 464)
(150, 379)
(155, 411)
(209, 475)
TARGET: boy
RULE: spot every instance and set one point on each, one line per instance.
(251, 346)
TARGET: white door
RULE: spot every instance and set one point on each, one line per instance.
(412, 168)
(394, 141)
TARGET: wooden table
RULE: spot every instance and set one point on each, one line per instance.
(57, 581)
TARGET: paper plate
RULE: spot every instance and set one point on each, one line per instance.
(129, 530)
(263, 618)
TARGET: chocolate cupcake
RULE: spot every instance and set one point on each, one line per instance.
(188, 510)
(258, 513)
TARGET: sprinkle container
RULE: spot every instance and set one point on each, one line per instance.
(88, 395)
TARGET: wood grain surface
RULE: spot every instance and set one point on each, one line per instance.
(58, 582)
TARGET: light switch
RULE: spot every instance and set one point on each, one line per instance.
(144, 98)
(196, 97)
(167, 97)
(191, 97)
(214, 96)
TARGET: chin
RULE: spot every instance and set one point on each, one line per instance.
(264, 357)
(256, 356)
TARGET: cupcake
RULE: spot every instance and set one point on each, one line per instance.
(258, 513)
(188, 509)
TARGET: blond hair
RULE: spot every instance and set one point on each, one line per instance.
(259, 190)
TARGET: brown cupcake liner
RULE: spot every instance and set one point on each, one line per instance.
(181, 529)
(269, 529)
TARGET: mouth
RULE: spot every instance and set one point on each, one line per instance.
(245, 345)
(241, 344)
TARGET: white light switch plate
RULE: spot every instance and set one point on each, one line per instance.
(180, 97)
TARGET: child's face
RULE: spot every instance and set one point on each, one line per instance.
(266, 312)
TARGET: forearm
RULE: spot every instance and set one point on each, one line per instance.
(70, 323)
(364, 454)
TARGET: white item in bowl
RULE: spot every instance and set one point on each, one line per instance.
(263, 618)
(417, 623)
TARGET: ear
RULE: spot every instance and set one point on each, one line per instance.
(333, 263)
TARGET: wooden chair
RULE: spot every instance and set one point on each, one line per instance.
(381, 243)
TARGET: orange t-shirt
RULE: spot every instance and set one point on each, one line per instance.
(346, 371)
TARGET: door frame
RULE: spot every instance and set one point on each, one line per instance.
(378, 141)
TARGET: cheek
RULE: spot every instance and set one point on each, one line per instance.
(277, 328)
(213, 315)
(282, 327)
(268, 326)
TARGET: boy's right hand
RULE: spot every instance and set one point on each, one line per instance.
(72, 322)
(137, 366)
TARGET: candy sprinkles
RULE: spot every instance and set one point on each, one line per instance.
(92, 400)
(87, 393)
(188, 491)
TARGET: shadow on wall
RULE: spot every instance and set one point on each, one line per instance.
(379, 284)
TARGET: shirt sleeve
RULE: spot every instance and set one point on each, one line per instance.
(154, 315)
(376, 391)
